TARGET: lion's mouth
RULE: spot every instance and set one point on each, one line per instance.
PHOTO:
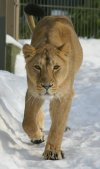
(47, 93)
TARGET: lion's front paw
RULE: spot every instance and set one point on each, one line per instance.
(53, 155)
(38, 141)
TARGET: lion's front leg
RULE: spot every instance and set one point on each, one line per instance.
(33, 119)
(59, 110)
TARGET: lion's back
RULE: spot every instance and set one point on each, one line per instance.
(54, 29)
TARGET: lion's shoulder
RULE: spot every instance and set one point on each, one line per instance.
(53, 30)
(51, 20)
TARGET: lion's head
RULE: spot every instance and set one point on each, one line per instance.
(47, 68)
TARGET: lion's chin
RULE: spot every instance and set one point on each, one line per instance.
(47, 96)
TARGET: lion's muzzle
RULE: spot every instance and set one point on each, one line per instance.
(47, 87)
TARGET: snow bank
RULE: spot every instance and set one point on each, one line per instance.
(11, 40)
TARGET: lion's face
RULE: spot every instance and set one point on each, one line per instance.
(47, 68)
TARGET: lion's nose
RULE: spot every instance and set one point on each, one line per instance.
(47, 85)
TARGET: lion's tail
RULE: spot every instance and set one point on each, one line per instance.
(31, 12)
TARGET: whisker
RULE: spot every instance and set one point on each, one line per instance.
(39, 88)
(59, 98)
(35, 96)
(29, 99)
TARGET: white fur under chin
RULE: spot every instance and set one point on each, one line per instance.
(47, 97)
(50, 97)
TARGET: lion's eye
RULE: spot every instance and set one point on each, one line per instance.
(37, 67)
(56, 67)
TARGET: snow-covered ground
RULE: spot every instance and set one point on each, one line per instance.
(81, 144)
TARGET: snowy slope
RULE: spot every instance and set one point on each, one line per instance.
(81, 144)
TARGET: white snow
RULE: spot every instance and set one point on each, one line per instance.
(11, 40)
(81, 144)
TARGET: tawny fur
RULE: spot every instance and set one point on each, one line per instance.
(54, 41)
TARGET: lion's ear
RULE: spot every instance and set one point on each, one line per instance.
(65, 48)
(28, 51)
(60, 47)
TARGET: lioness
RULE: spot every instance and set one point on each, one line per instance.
(52, 61)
